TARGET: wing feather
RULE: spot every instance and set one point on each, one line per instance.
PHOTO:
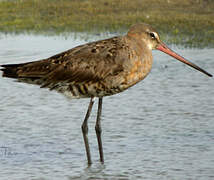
(90, 62)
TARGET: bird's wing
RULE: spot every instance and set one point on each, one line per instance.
(89, 62)
(92, 62)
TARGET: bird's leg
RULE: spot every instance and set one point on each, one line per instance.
(85, 130)
(99, 130)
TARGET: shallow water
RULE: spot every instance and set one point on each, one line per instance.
(162, 128)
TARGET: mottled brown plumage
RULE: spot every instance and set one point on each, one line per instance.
(96, 69)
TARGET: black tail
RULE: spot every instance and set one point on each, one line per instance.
(10, 70)
(30, 72)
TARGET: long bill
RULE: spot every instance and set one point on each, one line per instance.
(165, 49)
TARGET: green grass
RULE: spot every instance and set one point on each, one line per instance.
(187, 22)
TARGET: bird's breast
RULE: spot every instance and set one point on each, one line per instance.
(139, 70)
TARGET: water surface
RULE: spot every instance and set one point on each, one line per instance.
(162, 128)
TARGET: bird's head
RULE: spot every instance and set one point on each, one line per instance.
(149, 37)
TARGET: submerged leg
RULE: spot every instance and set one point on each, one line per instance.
(99, 130)
(85, 130)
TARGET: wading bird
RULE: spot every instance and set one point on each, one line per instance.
(96, 69)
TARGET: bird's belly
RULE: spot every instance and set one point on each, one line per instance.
(108, 86)
(75, 91)
(100, 89)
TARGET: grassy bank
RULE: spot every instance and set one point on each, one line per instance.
(189, 22)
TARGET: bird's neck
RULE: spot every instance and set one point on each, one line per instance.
(141, 60)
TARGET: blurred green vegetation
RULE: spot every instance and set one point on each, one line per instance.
(186, 22)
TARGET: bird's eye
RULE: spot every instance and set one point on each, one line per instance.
(152, 35)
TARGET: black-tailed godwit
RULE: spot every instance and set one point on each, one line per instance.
(97, 69)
